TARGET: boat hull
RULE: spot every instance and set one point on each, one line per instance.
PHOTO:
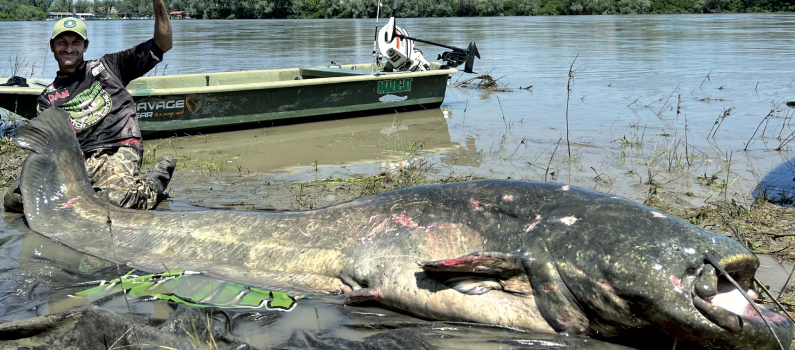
(194, 102)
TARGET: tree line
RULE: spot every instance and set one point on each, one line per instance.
(25, 10)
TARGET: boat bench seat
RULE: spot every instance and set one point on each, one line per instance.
(214, 79)
(326, 72)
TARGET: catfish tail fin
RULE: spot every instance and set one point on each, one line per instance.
(37, 134)
(54, 175)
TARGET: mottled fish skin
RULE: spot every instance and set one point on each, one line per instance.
(538, 256)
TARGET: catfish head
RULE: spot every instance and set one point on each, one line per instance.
(611, 268)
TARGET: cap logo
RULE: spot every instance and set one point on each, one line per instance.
(70, 23)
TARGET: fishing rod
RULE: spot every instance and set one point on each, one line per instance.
(375, 39)
(453, 58)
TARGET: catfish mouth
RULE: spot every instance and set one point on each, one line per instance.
(717, 299)
(730, 310)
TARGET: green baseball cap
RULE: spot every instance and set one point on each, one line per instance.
(70, 24)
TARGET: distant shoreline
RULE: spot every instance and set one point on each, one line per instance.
(610, 14)
(317, 9)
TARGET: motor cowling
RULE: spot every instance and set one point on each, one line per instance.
(398, 51)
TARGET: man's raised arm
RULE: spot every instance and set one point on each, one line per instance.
(162, 26)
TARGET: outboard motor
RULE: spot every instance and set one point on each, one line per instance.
(399, 51)
(458, 56)
(395, 44)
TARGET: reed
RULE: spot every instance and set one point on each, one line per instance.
(17, 65)
(568, 97)
(718, 122)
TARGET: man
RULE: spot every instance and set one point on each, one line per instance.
(103, 112)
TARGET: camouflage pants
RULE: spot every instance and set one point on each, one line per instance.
(115, 175)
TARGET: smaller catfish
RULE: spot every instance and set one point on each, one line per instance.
(538, 256)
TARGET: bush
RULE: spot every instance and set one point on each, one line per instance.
(28, 13)
(551, 7)
(634, 7)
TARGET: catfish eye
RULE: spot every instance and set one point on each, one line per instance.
(675, 246)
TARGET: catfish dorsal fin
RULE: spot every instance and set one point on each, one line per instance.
(480, 272)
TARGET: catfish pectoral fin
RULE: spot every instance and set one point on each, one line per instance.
(517, 285)
(478, 284)
(478, 273)
(496, 263)
(555, 301)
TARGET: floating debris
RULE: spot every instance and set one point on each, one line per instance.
(485, 82)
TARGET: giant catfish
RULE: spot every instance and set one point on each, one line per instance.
(538, 256)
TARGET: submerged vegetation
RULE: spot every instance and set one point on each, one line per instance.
(26, 10)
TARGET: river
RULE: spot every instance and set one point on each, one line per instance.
(629, 75)
(679, 101)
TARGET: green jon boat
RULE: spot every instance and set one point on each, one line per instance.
(192, 102)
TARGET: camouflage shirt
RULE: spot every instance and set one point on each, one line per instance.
(95, 95)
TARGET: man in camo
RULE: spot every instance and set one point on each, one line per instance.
(116, 175)
(103, 112)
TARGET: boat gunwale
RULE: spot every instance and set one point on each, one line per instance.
(21, 90)
(17, 90)
(286, 83)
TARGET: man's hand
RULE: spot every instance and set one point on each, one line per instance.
(162, 26)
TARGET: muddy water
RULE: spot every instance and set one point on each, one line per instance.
(683, 103)
(636, 82)
(382, 141)
(679, 101)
